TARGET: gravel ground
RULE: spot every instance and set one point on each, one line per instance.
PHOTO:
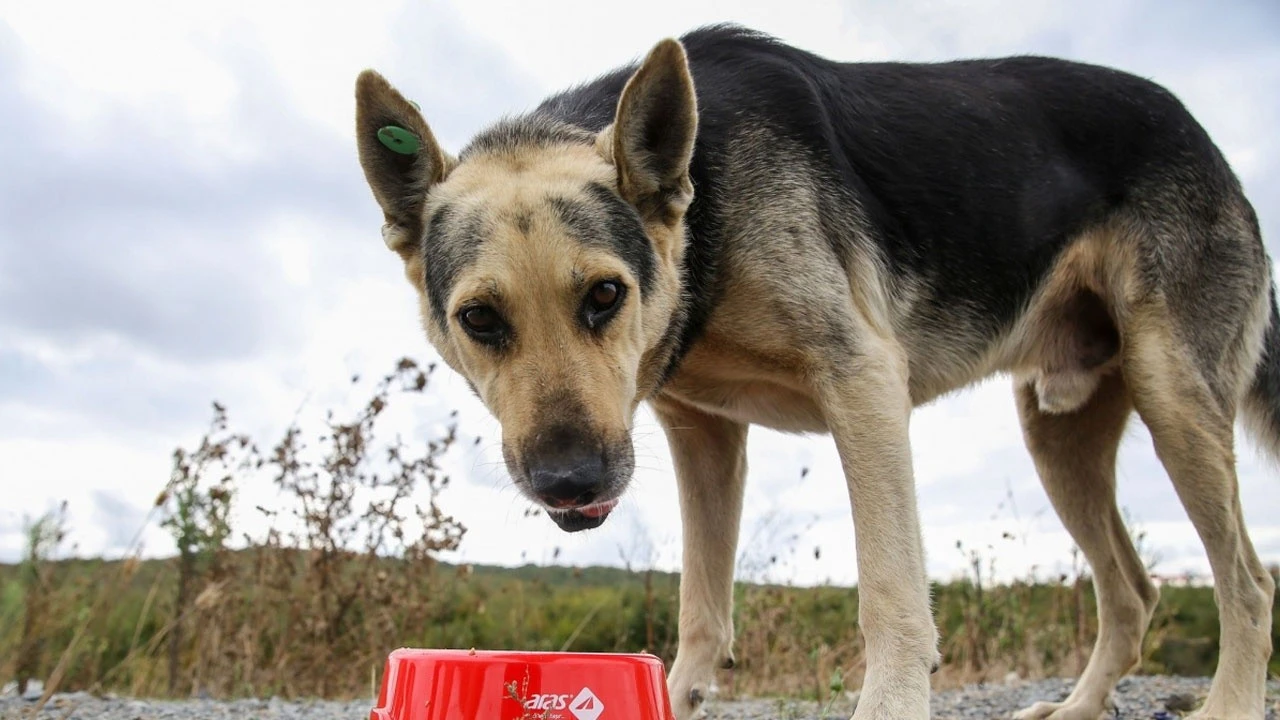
(1136, 697)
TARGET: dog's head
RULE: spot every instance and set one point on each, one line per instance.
(547, 260)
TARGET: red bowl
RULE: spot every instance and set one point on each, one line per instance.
(509, 685)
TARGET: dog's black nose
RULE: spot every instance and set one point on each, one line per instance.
(566, 468)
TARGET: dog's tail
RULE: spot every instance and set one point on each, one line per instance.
(1262, 403)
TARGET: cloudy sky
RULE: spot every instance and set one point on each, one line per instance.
(183, 219)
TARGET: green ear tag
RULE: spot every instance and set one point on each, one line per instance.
(398, 139)
(416, 106)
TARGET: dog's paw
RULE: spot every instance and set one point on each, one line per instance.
(693, 702)
(689, 699)
(691, 683)
(1061, 711)
(1208, 712)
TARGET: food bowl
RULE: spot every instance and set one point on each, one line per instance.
(512, 685)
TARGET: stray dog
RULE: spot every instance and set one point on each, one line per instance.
(740, 232)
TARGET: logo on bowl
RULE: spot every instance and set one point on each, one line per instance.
(546, 701)
(586, 705)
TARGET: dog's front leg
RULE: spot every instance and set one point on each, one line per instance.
(710, 459)
(867, 406)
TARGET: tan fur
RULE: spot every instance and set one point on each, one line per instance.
(1194, 439)
(755, 363)
(1101, 261)
(608, 377)
(530, 268)
(798, 344)
(1075, 455)
(710, 456)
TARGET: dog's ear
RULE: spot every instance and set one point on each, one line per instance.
(651, 138)
(399, 155)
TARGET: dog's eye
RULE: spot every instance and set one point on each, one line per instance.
(481, 321)
(604, 295)
(602, 302)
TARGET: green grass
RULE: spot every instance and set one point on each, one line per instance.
(790, 640)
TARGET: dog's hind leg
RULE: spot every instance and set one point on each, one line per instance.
(1188, 403)
(1075, 455)
(710, 457)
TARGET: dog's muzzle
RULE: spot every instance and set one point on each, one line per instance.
(569, 472)
(583, 518)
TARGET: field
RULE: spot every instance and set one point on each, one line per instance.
(106, 626)
(312, 608)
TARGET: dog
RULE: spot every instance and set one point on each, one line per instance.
(740, 232)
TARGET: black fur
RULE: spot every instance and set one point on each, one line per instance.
(973, 174)
(512, 134)
(621, 233)
(1265, 390)
(449, 244)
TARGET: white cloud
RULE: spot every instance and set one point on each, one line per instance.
(568, 42)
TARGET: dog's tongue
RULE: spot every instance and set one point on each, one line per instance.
(595, 511)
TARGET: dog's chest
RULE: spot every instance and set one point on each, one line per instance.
(725, 385)
(761, 404)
